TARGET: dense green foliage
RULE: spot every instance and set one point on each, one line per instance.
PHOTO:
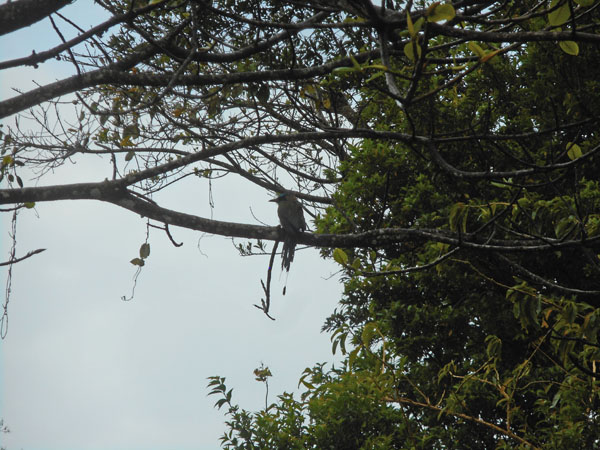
(476, 351)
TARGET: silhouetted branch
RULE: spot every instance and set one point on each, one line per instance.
(28, 255)
(266, 302)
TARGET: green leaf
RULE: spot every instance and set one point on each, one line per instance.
(564, 225)
(368, 333)
(306, 384)
(494, 346)
(569, 47)
(352, 357)
(29, 205)
(340, 256)
(129, 156)
(419, 24)
(458, 217)
(144, 250)
(584, 2)
(559, 15)
(342, 70)
(377, 66)
(532, 309)
(574, 151)
(375, 76)
(339, 338)
(441, 12)
(372, 256)
(475, 48)
(570, 312)
(590, 329)
(137, 262)
(355, 63)
(126, 142)
(409, 50)
(555, 400)
(410, 25)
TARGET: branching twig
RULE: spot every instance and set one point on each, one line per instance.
(404, 400)
(28, 255)
(266, 302)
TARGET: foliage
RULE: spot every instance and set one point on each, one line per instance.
(448, 153)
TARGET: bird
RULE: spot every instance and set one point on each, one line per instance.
(291, 218)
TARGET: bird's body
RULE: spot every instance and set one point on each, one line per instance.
(291, 217)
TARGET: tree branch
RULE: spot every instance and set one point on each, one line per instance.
(23, 13)
(28, 255)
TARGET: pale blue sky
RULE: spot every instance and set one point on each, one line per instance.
(81, 369)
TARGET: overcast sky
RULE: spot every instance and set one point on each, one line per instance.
(82, 369)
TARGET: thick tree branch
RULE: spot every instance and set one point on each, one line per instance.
(40, 57)
(521, 36)
(114, 192)
(117, 74)
(496, 428)
(23, 13)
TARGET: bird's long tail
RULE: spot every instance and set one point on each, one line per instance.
(287, 254)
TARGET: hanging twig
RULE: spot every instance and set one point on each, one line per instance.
(266, 302)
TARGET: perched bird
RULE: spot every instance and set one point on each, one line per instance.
(292, 221)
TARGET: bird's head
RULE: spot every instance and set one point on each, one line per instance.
(280, 198)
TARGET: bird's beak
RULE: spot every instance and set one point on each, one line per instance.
(273, 199)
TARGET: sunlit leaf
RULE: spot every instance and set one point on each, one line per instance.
(342, 70)
(126, 142)
(375, 76)
(377, 66)
(574, 151)
(409, 50)
(410, 25)
(569, 47)
(475, 48)
(559, 15)
(442, 12)
(368, 333)
(419, 24)
(340, 256)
